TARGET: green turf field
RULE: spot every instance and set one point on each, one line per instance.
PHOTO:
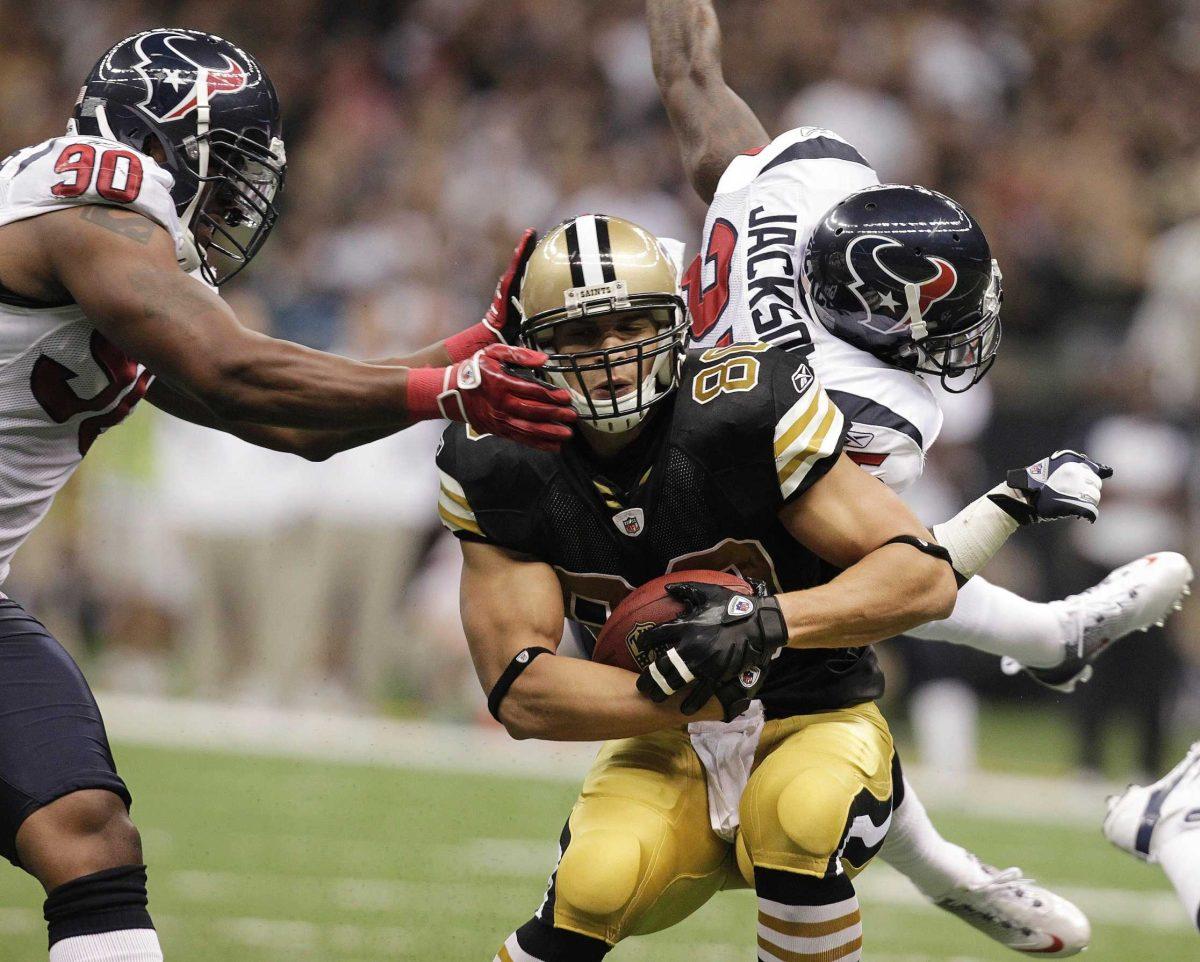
(267, 860)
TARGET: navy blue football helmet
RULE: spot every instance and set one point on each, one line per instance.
(214, 115)
(905, 273)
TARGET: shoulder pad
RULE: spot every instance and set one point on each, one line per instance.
(757, 417)
(491, 486)
(76, 170)
(800, 143)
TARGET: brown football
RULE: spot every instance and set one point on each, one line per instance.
(650, 605)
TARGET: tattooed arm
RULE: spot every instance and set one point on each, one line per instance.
(712, 123)
(120, 268)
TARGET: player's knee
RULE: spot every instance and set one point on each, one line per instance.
(745, 863)
(78, 834)
(599, 871)
(812, 811)
(98, 818)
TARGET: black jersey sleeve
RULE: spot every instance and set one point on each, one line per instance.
(761, 422)
(490, 488)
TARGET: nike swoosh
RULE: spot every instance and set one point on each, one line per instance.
(1056, 945)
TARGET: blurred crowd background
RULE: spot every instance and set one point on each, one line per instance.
(423, 136)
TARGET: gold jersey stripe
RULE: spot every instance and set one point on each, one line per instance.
(455, 522)
(458, 499)
(822, 444)
(825, 955)
(796, 427)
(809, 930)
(602, 488)
(504, 956)
(808, 441)
(646, 477)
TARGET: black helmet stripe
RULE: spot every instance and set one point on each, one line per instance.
(590, 251)
(575, 258)
(605, 247)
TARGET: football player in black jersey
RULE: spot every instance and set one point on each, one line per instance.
(727, 459)
(790, 219)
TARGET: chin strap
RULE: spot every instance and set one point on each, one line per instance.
(203, 113)
(919, 329)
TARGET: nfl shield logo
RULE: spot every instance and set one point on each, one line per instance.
(739, 606)
(630, 522)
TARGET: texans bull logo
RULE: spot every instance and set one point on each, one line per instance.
(872, 276)
(160, 53)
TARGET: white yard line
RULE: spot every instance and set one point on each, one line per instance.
(432, 746)
(880, 885)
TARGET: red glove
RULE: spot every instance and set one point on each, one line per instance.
(481, 392)
(502, 321)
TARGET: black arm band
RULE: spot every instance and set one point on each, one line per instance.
(521, 660)
(929, 548)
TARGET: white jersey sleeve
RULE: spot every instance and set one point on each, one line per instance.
(73, 171)
(747, 285)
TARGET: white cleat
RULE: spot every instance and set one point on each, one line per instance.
(1020, 914)
(1132, 598)
(1143, 815)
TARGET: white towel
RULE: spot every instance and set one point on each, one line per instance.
(726, 750)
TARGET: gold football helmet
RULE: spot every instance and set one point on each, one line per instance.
(602, 298)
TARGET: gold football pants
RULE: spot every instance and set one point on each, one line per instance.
(639, 854)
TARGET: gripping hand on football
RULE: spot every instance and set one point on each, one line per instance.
(1064, 485)
(720, 645)
(488, 392)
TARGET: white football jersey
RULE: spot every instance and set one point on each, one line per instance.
(746, 285)
(61, 381)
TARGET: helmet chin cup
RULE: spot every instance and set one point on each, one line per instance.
(609, 417)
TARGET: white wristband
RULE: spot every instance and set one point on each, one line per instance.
(975, 534)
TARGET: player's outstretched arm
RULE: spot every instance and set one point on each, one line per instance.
(510, 604)
(711, 122)
(120, 267)
(497, 328)
(312, 444)
(847, 518)
(1064, 485)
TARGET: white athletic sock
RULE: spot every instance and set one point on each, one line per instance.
(819, 922)
(511, 951)
(995, 620)
(127, 945)
(1180, 858)
(914, 848)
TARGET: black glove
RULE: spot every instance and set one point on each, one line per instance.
(735, 695)
(721, 645)
(1064, 485)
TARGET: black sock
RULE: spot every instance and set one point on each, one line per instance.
(548, 944)
(108, 901)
